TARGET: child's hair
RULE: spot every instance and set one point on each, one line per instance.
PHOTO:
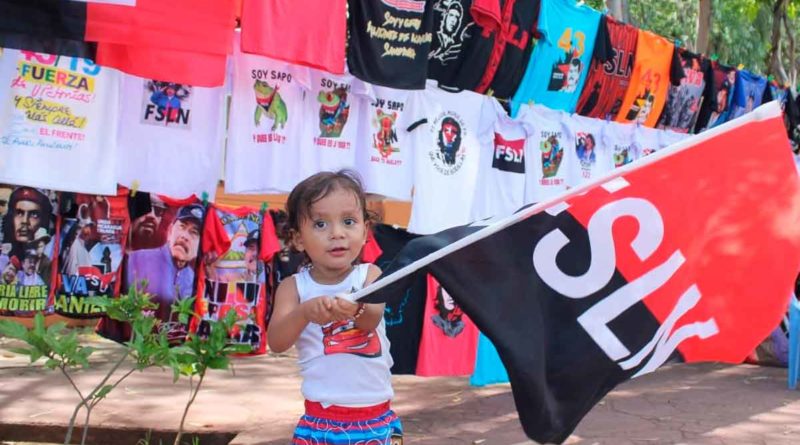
(316, 187)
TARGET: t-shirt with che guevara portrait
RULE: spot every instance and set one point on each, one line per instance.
(608, 80)
(28, 250)
(389, 41)
(93, 235)
(571, 36)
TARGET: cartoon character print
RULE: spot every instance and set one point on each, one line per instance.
(448, 315)
(333, 112)
(269, 103)
(552, 154)
(342, 337)
(452, 31)
(385, 135)
(449, 140)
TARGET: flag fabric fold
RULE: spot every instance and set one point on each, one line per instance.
(664, 260)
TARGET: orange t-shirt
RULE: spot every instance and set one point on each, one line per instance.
(647, 92)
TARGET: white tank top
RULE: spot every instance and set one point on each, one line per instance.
(342, 365)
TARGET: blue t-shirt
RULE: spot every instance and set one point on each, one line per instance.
(562, 56)
(748, 93)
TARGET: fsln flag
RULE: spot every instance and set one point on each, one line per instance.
(689, 255)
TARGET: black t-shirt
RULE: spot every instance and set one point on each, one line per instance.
(460, 49)
(720, 80)
(518, 45)
(45, 26)
(389, 41)
(404, 318)
(684, 100)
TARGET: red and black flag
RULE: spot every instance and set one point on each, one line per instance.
(184, 41)
(686, 256)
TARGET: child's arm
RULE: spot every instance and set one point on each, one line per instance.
(373, 313)
(290, 317)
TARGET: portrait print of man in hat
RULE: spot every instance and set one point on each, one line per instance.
(79, 242)
(169, 269)
(28, 275)
(28, 211)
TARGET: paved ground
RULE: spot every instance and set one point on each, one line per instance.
(691, 404)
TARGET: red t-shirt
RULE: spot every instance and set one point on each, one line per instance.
(235, 274)
(304, 32)
(449, 338)
(608, 81)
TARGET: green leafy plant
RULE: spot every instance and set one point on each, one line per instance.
(199, 354)
(60, 348)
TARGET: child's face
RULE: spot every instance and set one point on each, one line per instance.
(334, 232)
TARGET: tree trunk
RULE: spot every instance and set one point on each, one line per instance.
(793, 59)
(704, 14)
(774, 62)
(618, 9)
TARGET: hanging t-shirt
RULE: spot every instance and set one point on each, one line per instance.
(93, 233)
(557, 70)
(667, 138)
(163, 246)
(389, 41)
(684, 101)
(621, 139)
(170, 137)
(515, 27)
(304, 32)
(58, 122)
(656, 67)
(457, 127)
(717, 97)
(748, 93)
(592, 151)
(552, 158)
(266, 124)
(403, 318)
(28, 250)
(608, 81)
(449, 338)
(460, 48)
(332, 110)
(648, 140)
(238, 245)
(386, 162)
(501, 174)
(489, 369)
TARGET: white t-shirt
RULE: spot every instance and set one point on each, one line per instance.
(553, 154)
(266, 124)
(501, 174)
(447, 150)
(647, 140)
(340, 364)
(332, 111)
(384, 157)
(620, 138)
(669, 137)
(592, 151)
(58, 122)
(170, 137)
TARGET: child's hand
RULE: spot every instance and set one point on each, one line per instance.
(343, 309)
(319, 310)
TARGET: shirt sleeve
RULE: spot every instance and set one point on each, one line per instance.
(269, 244)
(676, 73)
(487, 14)
(603, 51)
(215, 239)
